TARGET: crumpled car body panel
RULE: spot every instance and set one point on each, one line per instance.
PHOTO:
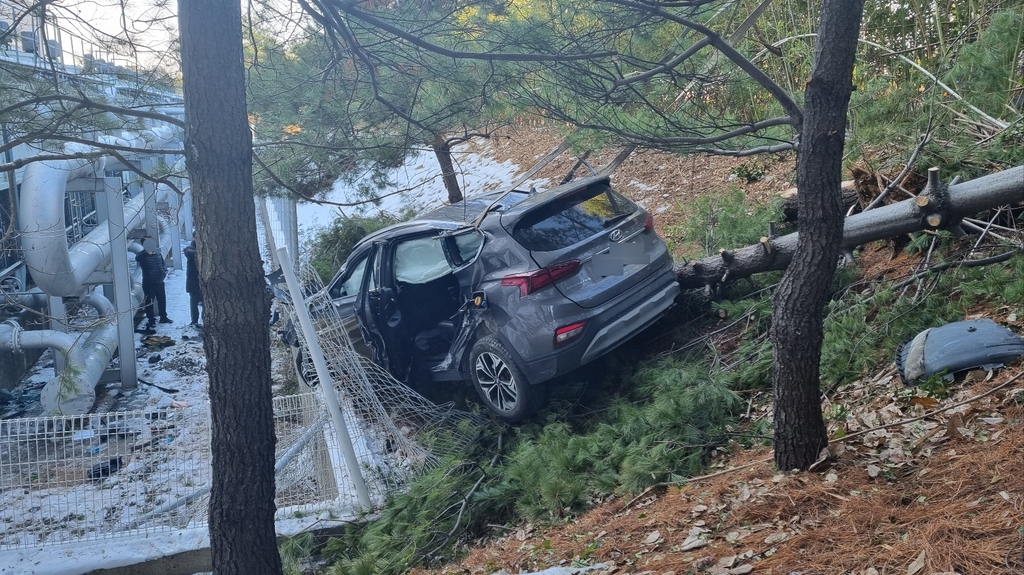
(955, 347)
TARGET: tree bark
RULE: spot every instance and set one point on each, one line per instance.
(443, 153)
(218, 153)
(956, 202)
(798, 320)
(791, 209)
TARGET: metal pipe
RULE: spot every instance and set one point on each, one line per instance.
(33, 298)
(73, 390)
(15, 338)
(57, 269)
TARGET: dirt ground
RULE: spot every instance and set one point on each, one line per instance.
(915, 485)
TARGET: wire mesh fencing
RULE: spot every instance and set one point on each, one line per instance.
(406, 430)
(82, 477)
(104, 475)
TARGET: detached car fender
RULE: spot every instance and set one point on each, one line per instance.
(954, 347)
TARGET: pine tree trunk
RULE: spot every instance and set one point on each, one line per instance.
(218, 148)
(443, 152)
(798, 306)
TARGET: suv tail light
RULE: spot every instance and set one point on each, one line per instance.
(564, 335)
(649, 222)
(535, 280)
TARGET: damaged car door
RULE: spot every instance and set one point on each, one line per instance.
(414, 294)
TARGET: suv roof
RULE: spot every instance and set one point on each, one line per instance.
(515, 204)
(464, 213)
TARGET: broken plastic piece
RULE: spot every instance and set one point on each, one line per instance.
(955, 347)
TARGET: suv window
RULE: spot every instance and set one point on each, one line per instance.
(466, 246)
(571, 219)
(349, 284)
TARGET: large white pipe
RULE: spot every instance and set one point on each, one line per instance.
(33, 298)
(41, 213)
(73, 391)
(55, 268)
(62, 271)
(15, 338)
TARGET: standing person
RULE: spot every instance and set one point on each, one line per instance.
(153, 273)
(195, 295)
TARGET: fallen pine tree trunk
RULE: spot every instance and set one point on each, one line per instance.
(937, 207)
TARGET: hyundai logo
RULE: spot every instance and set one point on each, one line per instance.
(615, 236)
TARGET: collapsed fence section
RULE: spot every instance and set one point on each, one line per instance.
(392, 416)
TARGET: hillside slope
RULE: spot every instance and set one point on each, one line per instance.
(915, 484)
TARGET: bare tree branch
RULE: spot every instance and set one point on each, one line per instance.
(93, 104)
(784, 147)
(755, 73)
(350, 10)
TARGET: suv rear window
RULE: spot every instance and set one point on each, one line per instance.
(571, 219)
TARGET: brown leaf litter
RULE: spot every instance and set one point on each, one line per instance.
(943, 494)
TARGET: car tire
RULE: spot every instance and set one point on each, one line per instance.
(502, 387)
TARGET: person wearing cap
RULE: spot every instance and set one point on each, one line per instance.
(195, 295)
(153, 273)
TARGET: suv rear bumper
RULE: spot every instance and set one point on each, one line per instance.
(631, 323)
(606, 329)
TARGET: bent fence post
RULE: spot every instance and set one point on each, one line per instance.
(316, 354)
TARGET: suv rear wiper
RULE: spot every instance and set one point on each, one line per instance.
(614, 220)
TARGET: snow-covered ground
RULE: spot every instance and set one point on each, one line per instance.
(478, 174)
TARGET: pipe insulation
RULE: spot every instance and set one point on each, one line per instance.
(62, 271)
(58, 270)
(41, 212)
(16, 339)
(73, 391)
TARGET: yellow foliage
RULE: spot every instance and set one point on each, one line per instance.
(292, 129)
(465, 16)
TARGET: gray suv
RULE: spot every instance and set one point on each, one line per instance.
(506, 291)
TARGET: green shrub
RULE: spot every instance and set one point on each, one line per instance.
(726, 221)
(334, 243)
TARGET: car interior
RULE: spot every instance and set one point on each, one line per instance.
(428, 296)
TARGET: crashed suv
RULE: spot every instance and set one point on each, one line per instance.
(507, 291)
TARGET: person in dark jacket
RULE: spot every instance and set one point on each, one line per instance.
(153, 273)
(195, 295)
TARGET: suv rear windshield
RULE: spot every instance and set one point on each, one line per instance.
(571, 219)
